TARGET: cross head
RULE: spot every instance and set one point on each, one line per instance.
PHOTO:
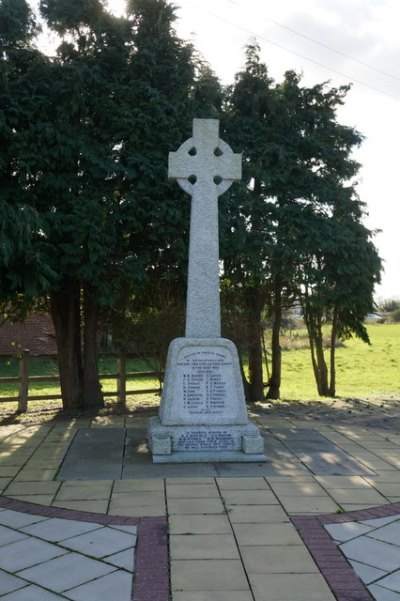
(205, 161)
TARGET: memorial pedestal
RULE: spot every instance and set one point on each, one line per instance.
(203, 416)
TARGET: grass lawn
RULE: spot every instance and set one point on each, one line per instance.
(362, 370)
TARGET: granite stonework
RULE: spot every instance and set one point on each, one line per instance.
(203, 416)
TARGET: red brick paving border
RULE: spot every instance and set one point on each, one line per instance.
(337, 571)
(151, 575)
(151, 566)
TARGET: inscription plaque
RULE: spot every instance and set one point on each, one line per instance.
(202, 440)
(205, 376)
(205, 386)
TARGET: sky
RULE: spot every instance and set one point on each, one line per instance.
(337, 41)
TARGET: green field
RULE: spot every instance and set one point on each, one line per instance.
(362, 370)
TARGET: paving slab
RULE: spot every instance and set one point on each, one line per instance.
(278, 559)
(213, 596)
(199, 524)
(93, 506)
(26, 553)
(266, 534)
(373, 552)
(117, 453)
(31, 593)
(367, 573)
(100, 542)
(117, 585)
(293, 587)
(195, 491)
(7, 536)
(203, 546)
(102, 450)
(389, 533)
(10, 583)
(208, 575)
(383, 594)
(347, 531)
(195, 506)
(66, 572)
(255, 514)
(219, 514)
(314, 450)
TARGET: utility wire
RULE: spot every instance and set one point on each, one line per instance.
(256, 35)
(331, 48)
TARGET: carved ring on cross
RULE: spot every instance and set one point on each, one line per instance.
(222, 154)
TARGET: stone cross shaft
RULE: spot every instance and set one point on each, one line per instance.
(205, 167)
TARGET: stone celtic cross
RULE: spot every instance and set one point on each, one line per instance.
(205, 167)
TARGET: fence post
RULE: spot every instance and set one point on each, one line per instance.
(23, 382)
(121, 381)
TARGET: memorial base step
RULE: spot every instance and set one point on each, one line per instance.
(205, 443)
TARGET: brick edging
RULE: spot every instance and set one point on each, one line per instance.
(151, 572)
(151, 581)
(67, 514)
(337, 571)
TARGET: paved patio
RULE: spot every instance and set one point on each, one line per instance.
(278, 531)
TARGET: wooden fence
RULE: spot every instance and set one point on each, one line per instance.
(23, 380)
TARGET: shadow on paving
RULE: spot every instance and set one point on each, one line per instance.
(122, 453)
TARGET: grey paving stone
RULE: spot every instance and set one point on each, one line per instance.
(379, 522)
(389, 533)
(101, 542)
(382, 594)
(347, 531)
(66, 572)
(129, 529)
(9, 583)
(321, 456)
(117, 585)
(16, 519)
(391, 582)
(7, 536)
(31, 593)
(124, 559)
(102, 449)
(366, 573)
(57, 529)
(154, 470)
(28, 552)
(261, 469)
(373, 552)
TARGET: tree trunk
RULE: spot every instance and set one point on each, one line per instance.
(322, 384)
(274, 390)
(332, 383)
(92, 394)
(315, 335)
(65, 314)
(254, 302)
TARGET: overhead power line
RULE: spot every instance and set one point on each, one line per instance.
(311, 60)
(331, 48)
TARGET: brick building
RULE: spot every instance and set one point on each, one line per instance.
(36, 334)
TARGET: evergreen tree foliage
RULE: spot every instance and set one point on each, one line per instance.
(90, 223)
(84, 145)
(296, 203)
